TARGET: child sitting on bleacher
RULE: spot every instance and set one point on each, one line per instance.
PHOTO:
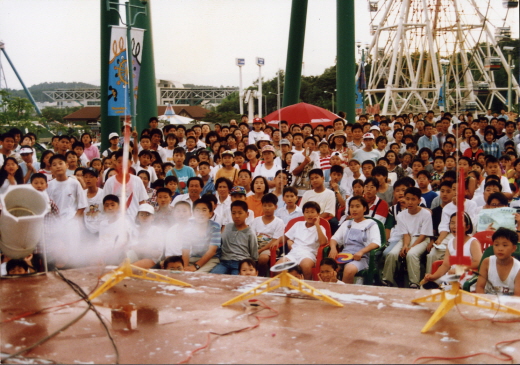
(500, 273)
(358, 237)
(304, 239)
(471, 249)
(415, 225)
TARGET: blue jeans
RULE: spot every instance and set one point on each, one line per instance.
(228, 267)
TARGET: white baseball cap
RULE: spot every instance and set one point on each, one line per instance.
(146, 208)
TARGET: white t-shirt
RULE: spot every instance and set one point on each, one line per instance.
(256, 136)
(305, 238)
(182, 198)
(415, 224)
(116, 236)
(478, 196)
(149, 244)
(495, 285)
(267, 232)
(135, 192)
(326, 200)
(261, 170)
(362, 155)
(470, 207)
(373, 234)
(94, 211)
(346, 183)
(68, 196)
(166, 155)
(227, 219)
(153, 176)
(223, 207)
(84, 160)
(175, 238)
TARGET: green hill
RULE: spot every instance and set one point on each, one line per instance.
(37, 90)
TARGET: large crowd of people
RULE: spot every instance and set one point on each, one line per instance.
(219, 200)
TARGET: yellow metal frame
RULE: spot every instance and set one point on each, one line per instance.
(286, 281)
(127, 270)
(449, 299)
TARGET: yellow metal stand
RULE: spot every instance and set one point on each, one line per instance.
(126, 270)
(286, 281)
(456, 296)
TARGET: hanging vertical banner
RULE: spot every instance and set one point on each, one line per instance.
(441, 103)
(118, 95)
(118, 101)
(137, 54)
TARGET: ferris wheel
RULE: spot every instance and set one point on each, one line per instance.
(420, 47)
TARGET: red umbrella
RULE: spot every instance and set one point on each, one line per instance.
(301, 113)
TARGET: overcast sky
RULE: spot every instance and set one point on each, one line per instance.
(195, 41)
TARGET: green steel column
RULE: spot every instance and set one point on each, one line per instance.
(346, 59)
(147, 91)
(108, 124)
(293, 67)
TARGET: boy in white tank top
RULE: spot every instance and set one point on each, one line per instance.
(500, 273)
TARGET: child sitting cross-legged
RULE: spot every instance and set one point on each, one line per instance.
(357, 237)
(329, 271)
(304, 239)
(500, 273)
(238, 241)
(247, 267)
(471, 249)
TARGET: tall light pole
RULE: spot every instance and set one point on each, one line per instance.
(260, 62)
(509, 51)
(278, 100)
(240, 62)
(332, 94)
(444, 64)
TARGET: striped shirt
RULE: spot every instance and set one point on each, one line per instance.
(325, 163)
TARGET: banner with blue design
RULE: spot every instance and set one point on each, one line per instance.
(441, 103)
(118, 95)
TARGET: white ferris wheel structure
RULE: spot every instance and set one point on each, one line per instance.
(418, 45)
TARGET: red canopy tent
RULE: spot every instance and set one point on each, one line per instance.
(301, 113)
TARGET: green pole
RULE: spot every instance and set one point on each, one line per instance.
(293, 67)
(346, 59)
(147, 90)
(108, 124)
(128, 12)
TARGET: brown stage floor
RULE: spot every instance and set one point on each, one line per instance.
(376, 325)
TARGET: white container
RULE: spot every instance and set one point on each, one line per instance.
(21, 220)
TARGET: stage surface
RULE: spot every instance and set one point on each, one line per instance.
(161, 323)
